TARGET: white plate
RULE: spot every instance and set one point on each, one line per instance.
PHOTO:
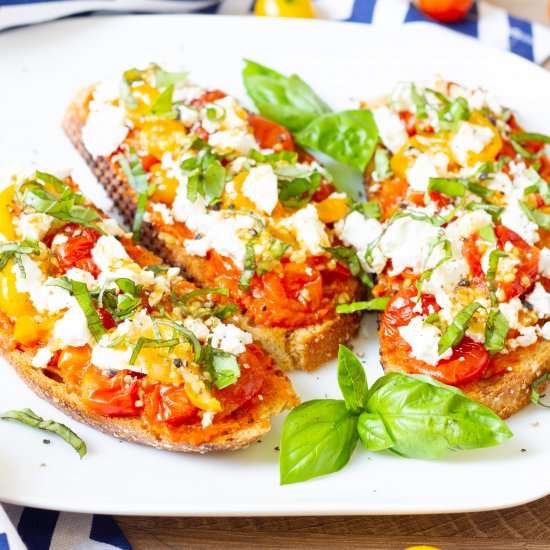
(41, 69)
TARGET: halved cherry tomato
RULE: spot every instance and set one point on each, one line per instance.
(111, 395)
(76, 251)
(271, 135)
(469, 358)
(445, 10)
(169, 405)
(72, 363)
(390, 195)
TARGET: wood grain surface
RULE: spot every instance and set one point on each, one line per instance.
(523, 528)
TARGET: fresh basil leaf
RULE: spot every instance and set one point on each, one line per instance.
(382, 168)
(426, 419)
(349, 137)
(303, 97)
(137, 177)
(249, 267)
(287, 115)
(536, 216)
(451, 115)
(164, 79)
(376, 304)
(487, 233)
(263, 85)
(28, 417)
(494, 257)
(351, 379)
(372, 432)
(272, 158)
(163, 106)
(84, 300)
(528, 136)
(540, 184)
(450, 187)
(349, 258)
(494, 211)
(318, 438)
(457, 329)
(535, 395)
(496, 330)
(14, 251)
(222, 366)
(214, 182)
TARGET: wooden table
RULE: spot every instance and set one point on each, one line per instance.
(524, 527)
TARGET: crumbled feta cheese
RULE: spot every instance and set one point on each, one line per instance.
(207, 418)
(106, 91)
(105, 129)
(34, 225)
(260, 186)
(419, 174)
(528, 336)
(229, 115)
(401, 97)
(465, 226)
(544, 262)
(188, 115)
(230, 339)
(112, 358)
(238, 142)
(75, 274)
(510, 310)
(480, 99)
(406, 243)
(186, 93)
(516, 219)
(545, 331)
(423, 339)
(540, 300)
(72, 329)
(309, 230)
(164, 211)
(470, 138)
(391, 129)
(42, 358)
(443, 281)
(111, 227)
(197, 327)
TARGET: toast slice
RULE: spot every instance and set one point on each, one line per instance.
(228, 416)
(303, 347)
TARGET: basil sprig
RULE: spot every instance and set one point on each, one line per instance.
(535, 395)
(412, 416)
(28, 417)
(137, 177)
(296, 193)
(14, 251)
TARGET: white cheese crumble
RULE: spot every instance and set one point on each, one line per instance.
(42, 358)
(516, 219)
(163, 210)
(238, 142)
(401, 97)
(528, 336)
(72, 329)
(510, 310)
(75, 274)
(419, 174)
(545, 331)
(470, 138)
(105, 129)
(260, 186)
(444, 280)
(540, 300)
(34, 225)
(391, 129)
(423, 339)
(465, 226)
(309, 230)
(230, 339)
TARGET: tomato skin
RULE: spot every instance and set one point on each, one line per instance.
(468, 361)
(106, 319)
(111, 395)
(169, 405)
(472, 255)
(271, 135)
(76, 252)
(207, 97)
(445, 11)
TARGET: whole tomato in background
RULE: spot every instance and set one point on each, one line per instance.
(445, 11)
(285, 8)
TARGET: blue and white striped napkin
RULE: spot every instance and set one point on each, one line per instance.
(34, 529)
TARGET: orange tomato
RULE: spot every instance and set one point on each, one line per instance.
(445, 10)
(165, 186)
(284, 8)
(161, 136)
(332, 209)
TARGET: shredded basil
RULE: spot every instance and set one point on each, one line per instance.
(439, 240)
(151, 343)
(14, 251)
(368, 209)
(540, 185)
(452, 114)
(455, 332)
(376, 304)
(527, 136)
(535, 396)
(349, 258)
(187, 335)
(494, 211)
(249, 267)
(494, 257)
(163, 105)
(451, 187)
(206, 174)
(84, 300)
(496, 330)
(297, 193)
(28, 417)
(520, 150)
(536, 216)
(222, 366)
(382, 168)
(487, 233)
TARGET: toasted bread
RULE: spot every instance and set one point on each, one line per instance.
(304, 348)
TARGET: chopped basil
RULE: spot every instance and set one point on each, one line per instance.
(455, 332)
(288, 156)
(222, 366)
(420, 102)
(151, 343)
(368, 209)
(494, 257)
(163, 106)
(126, 95)
(453, 113)
(487, 233)
(84, 300)
(520, 150)
(439, 240)
(536, 216)
(14, 251)
(202, 308)
(249, 267)
(137, 177)
(376, 304)
(479, 190)
(540, 185)
(28, 417)
(124, 305)
(451, 187)
(298, 192)
(278, 248)
(439, 96)
(535, 396)
(494, 211)
(349, 258)
(527, 136)
(201, 292)
(496, 330)
(187, 335)
(164, 79)
(382, 167)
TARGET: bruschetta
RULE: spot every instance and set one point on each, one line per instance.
(461, 253)
(229, 198)
(98, 326)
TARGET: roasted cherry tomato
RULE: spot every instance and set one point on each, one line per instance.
(271, 135)
(111, 394)
(445, 10)
(469, 358)
(207, 97)
(169, 405)
(77, 250)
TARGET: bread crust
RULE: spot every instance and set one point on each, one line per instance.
(305, 348)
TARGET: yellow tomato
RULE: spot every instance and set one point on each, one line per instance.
(235, 197)
(285, 8)
(145, 97)
(7, 228)
(161, 136)
(165, 187)
(492, 149)
(13, 302)
(72, 357)
(332, 209)
(27, 330)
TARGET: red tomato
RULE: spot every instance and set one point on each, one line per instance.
(445, 10)
(271, 135)
(253, 363)
(106, 319)
(207, 97)
(469, 358)
(169, 405)
(472, 255)
(76, 252)
(111, 395)
(390, 196)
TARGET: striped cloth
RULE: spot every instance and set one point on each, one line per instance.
(35, 529)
